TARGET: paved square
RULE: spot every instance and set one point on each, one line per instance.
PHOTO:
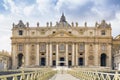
(63, 77)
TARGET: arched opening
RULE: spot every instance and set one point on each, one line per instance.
(103, 59)
(43, 61)
(80, 62)
(20, 58)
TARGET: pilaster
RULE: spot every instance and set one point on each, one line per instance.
(57, 54)
(37, 55)
(76, 54)
(66, 54)
(73, 54)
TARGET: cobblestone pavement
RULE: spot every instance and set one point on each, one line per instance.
(63, 76)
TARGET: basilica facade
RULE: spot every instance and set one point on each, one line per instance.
(62, 44)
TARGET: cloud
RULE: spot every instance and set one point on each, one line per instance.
(28, 10)
(115, 24)
(11, 5)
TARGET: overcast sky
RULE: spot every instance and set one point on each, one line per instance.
(43, 11)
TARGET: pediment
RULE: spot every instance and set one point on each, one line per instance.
(62, 34)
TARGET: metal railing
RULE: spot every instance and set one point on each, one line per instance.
(36, 74)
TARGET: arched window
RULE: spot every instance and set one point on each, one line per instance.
(20, 32)
(103, 32)
(103, 59)
(103, 47)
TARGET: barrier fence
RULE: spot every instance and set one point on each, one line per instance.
(47, 73)
(36, 74)
(94, 75)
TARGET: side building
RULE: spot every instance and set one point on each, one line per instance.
(116, 52)
(5, 60)
(63, 44)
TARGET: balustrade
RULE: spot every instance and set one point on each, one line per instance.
(94, 75)
(36, 74)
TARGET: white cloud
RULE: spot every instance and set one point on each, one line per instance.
(71, 4)
(5, 42)
(116, 25)
(99, 2)
(28, 10)
(43, 6)
(11, 5)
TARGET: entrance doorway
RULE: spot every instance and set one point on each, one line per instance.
(103, 59)
(43, 61)
(80, 62)
(20, 58)
(62, 59)
(54, 63)
(61, 64)
(69, 63)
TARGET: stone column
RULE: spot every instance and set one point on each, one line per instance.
(96, 58)
(37, 55)
(50, 54)
(26, 55)
(109, 58)
(73, 54)
(47, 54)
(14, 56)
(86, 54)
(66, 54)
(57, 54)
(76, 54)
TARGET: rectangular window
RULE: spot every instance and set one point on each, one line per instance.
(103, 47)
(81, 47)
(20, 32)
(20, 47)
(70, 48)
(53, 47)
(61, 47)
(103, 32)
(42, 47)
